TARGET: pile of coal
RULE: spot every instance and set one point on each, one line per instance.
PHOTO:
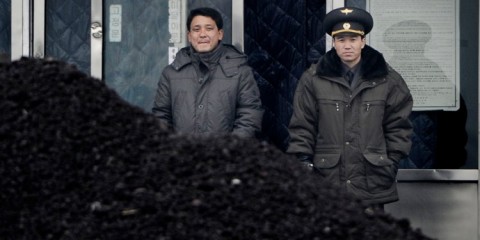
(78, 162)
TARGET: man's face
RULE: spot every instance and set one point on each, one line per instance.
(204, 34)
(349, 48)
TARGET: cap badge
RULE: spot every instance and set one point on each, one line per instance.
(346, 26)
(346, 11)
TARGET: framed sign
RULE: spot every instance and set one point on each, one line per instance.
(420, 39)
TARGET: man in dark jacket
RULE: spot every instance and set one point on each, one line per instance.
(209, 88)
(351, 113)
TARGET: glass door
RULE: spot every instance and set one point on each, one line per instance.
(125, 43)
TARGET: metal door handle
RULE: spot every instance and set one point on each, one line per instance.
(96, 30)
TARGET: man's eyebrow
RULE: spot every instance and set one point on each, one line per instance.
(206, 25)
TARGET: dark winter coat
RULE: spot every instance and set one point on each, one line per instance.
(221, 98)
(357, 136)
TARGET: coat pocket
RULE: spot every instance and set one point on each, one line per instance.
(380, 172)
(326, 165)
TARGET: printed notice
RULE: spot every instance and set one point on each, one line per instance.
(419, 39)
(172, 51)
(115, 27)
(174, 20)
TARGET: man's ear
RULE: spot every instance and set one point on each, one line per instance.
(220, 32)
(188, 37)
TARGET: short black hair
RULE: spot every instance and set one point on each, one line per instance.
(207, 12)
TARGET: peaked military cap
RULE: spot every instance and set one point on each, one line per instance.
(348, 20)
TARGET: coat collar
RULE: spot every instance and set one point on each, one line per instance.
(373, 64)
(230, 56)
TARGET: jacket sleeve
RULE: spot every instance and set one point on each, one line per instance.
(397, 126)
(302, 127)
(162, 104)
(249, 110)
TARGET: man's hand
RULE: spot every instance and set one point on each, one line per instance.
(306, 160)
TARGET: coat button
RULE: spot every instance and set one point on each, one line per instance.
(200, 106)
(348, 181)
